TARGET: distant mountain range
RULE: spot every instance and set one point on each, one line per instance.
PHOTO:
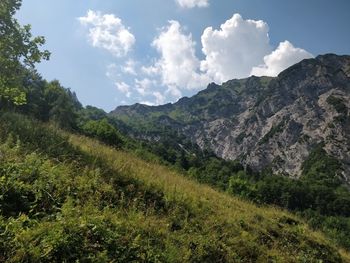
(264, 122)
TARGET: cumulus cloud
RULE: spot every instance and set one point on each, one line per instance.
(283, 57)
(160, 98)
(239, 48)
(232, 51)
(143, 86)
(193, 3)
(150, 70)
(108, 32)
(178, 64)
(123, 88)
(174, 91)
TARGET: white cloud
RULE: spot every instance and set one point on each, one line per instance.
(108, 32)
(160, 98)
(283, 57)
(193, 3)
(144, 86)
(151, 70)
(174, 91)
(178, 64)
(148, 103)
(235, 48)
(123, 88)
(129, 67)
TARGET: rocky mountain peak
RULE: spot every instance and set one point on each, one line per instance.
(265, 122)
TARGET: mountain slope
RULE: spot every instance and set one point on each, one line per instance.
(263, 122)
(67, 198)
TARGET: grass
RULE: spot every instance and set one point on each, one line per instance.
(83, 201)
(243, 220)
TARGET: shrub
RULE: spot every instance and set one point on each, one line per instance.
(104, 131)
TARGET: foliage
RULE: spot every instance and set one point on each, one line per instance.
(62, 108)
(49, 101)
(26, 130)
(319, 166)
(18, 50)
(91, 113)
(215, 171)
(68, 198)
(336, 227)
(103, 131)
(84, 201)
(319, 193)
(320, 189)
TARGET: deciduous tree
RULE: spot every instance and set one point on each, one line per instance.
(18, 50)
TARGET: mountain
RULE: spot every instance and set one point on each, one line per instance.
(76, 187)
(264, 122)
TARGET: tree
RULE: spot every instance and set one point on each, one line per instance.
(62, 106)
(104, 131)
(19, 50)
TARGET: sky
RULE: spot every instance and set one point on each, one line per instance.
(121, 52)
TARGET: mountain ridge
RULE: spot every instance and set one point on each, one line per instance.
(263, 122)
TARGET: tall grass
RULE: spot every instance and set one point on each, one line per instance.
(68, 198)
(246, 222)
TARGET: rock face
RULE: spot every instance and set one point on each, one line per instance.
(263, 122)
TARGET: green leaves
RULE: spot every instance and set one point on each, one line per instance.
(18, 50)
(15, 95)
(102, 130)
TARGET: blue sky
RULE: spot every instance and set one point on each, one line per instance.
(154, 51)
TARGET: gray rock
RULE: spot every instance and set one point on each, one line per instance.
(263, 122)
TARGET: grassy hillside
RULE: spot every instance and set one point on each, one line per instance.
(67, 198)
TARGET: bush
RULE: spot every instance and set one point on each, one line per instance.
(36, 136)
(102, 130)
